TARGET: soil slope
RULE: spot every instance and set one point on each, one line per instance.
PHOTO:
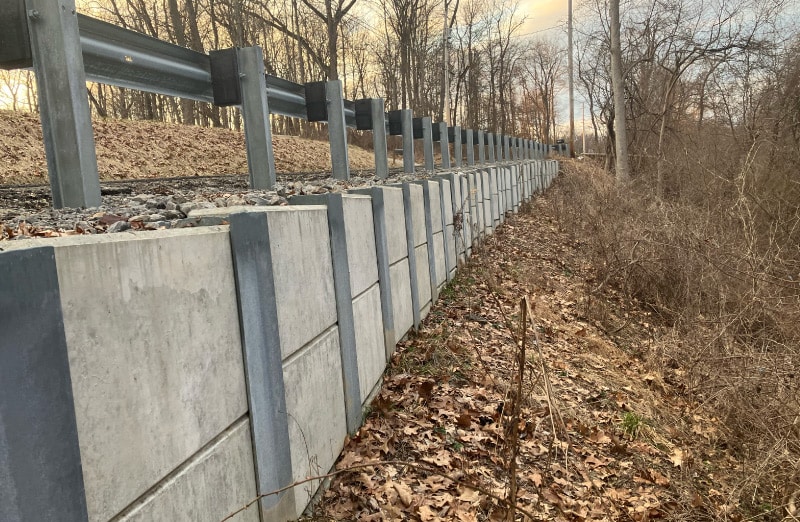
(599, 435)
(143, 149)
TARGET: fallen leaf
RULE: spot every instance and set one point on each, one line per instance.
(677, 457)
(404, 492)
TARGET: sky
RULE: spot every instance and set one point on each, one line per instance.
(543, 15)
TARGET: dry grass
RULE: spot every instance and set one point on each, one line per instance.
(721, 276)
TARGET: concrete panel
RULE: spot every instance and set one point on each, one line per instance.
(217, 481)
(435, 202)
(418, 214)
(315, 405)
(369, 340)
(494, 180)
(152, 327)
(466, 221)
(440, 259)
(303, 273)
(423, 275)
(447, 219)
(486, 189)
(447, 201)
(476, 205)
(360, 234)
(395, 224)
(509, 193)
(401, 298)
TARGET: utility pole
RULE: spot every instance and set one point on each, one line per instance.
(446, 68)
(571, 83)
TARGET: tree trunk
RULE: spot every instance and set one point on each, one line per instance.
(623, 169)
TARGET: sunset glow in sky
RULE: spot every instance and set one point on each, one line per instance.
(543, 14)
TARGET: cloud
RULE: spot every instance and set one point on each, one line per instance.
(543, 14)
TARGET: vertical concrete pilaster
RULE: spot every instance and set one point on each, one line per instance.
(266, 392)
(40, 459)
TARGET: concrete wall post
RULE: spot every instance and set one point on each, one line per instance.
(266, 392)
(40, 460)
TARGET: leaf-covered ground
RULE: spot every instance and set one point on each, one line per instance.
(144, 149)
(601, 436)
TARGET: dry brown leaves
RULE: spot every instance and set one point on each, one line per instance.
(144, 149)
(445, 404)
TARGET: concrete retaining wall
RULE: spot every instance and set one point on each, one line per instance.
(176, 375)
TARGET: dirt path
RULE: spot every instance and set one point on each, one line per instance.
(600, 435)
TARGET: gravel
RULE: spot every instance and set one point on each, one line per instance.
(26, 211)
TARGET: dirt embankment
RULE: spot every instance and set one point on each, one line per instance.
(144, 149)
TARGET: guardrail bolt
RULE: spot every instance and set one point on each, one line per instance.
(33, 14)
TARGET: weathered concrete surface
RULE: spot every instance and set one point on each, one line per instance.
(303, 274)
(369, 339)
(315, 405)
(212, 484)
(360, 235)
(465, 245)
(508, 191)
(152, 327)
(435, 236)
(301, 232)
(401, 298)
(418, 215)
(486, 192)
(423, 277)
(395, 224)
(266, 393)
(449, 233)
(439, 260)
(476, 205)
(494, 183)
(40, 461)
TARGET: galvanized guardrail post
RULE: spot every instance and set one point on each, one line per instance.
(490, 143)
(456, 139)
(407, 125)
(337, 130)
(507, 147)
(371, 115)
(498, 138)
(481, 149)
(325, 102)
(427, 142)
(470, 142)
(255, 113)
(57, 59)
(444, 144)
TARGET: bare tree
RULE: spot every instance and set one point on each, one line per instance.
(621, 140)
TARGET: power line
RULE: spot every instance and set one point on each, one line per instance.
(560, 25)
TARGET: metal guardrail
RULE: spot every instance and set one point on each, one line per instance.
(66, 49)
(125, 58)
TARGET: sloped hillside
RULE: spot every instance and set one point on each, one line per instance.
(143, 149)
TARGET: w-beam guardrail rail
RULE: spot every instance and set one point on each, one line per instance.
(67, 49)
